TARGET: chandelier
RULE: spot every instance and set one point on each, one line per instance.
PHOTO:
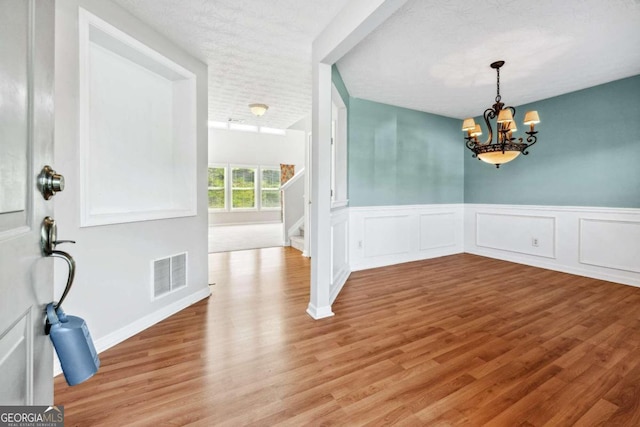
(505, 147)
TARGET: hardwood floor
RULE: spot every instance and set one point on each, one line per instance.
(458, 340)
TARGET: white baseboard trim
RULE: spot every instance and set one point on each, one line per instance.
(141, 324)
(149, 320)
(296, 225)
(318, 313)
(556, 267)
(386, 261)
(297, 242)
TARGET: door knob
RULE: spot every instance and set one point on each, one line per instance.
(50, 182)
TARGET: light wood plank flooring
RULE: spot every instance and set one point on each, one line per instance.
(458, 340)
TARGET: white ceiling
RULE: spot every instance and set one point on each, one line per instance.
(257, 51)
(434, 55)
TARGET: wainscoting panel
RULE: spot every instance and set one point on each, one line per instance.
(339, 251)
(603, 243)
(438, 230)
(381, 233)
(526, 234)
(385, 235)
(621, 238)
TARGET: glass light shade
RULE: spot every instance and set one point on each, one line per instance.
(498, 157)
(468, 124)
(531, 118)
(505, 116)
(258, 109)
(477, 131)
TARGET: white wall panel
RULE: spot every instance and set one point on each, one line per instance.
(340, 268)
(621, 239)
(381, 235)
(438, 230)
(339, 239)
(385, 235)
(602, 243)
(113, 259)
(527, 234)
(252, 148)
(137, 114)
(130, 119)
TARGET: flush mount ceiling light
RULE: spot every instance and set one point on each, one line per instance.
(258, 109)
(505, 148)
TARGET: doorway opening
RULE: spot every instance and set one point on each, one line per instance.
(248, 168)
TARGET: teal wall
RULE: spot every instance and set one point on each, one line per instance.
(587, 154)
(399, 156)
(337, 81)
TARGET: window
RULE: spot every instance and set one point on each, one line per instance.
(217, 180)
(243, 188)
(270, 188)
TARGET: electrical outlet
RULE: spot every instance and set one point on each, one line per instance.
(359, 244)
(534, 242)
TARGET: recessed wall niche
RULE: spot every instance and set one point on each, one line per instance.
(137, 129)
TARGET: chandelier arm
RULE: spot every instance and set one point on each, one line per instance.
(513, 114)
(489, 113)
(470, 143)
(504, 131)
(531, 139)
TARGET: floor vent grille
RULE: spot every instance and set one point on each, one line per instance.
(169, 274)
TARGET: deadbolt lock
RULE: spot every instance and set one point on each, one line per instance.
(50, 182)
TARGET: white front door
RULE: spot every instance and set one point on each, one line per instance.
(26, 145)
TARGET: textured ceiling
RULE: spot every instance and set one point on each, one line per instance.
(434, 55)
(257, 51)
(431, 55)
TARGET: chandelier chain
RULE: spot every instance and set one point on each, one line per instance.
(498, 97)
